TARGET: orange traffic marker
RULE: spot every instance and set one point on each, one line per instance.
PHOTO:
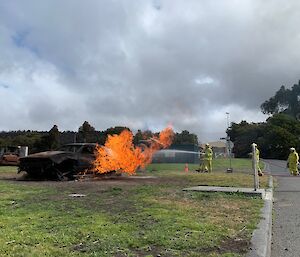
(186, 167)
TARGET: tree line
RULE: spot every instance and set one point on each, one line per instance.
(49, 140)
(278, 133)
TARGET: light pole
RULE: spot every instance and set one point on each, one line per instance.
(228, 144)
(227, 116)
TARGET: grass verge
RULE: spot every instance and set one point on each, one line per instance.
(8, 169)
(125, 217)
(242, 175)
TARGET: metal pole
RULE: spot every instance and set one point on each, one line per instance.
(254, 165)
(228, 144)
(227, 113)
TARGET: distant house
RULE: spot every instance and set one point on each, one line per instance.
(220, 148)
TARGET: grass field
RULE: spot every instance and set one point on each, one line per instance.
(238, 165)
(145, 215)
(241, 176)
(8, 169)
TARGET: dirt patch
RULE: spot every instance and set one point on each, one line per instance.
(94, 184)
(9, 176)
(107, 194)
(230, 245)
(22, 178)
(236, 245)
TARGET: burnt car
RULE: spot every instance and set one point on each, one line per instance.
(9, 155)
(66, 162)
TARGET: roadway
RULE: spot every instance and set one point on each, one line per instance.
(286, 211)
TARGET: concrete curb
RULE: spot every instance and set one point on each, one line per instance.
(262, 236)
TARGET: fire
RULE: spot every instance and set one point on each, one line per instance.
(119, 153)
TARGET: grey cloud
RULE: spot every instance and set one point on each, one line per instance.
(5, 86)
(150, 62)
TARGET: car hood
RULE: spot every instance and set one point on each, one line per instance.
(55, 156)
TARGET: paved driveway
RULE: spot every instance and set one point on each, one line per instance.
(286, 219)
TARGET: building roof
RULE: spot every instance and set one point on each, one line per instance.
(218, 144)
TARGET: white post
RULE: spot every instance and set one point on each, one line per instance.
(23, 151)
(228, 145)
(254, 165)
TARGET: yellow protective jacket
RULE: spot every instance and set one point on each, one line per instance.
(293, 158)
(257, 154)
(208, 154)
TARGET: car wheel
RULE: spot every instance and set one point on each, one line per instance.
(69, 168)
(60, 175)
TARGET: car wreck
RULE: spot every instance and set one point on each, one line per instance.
(9, 155)
(65, 163)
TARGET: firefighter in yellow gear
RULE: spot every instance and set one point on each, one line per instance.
(260, 173)
(201, 162)
(207, 159)
(292, 162)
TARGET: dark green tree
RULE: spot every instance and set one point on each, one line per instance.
(285, 101)
(115, 130)
(280, 133)
(86, 132)
(54, 138)
(111, 131)
(185, 137)
(273, 137)
(138, 137)
(243, 135)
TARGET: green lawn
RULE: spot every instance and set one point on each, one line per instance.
(137, 216)
(242, 175)
(238, 165)
(8, 169)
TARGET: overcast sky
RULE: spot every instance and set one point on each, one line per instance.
(144, 63)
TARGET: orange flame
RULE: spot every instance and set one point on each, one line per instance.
(119, 153)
